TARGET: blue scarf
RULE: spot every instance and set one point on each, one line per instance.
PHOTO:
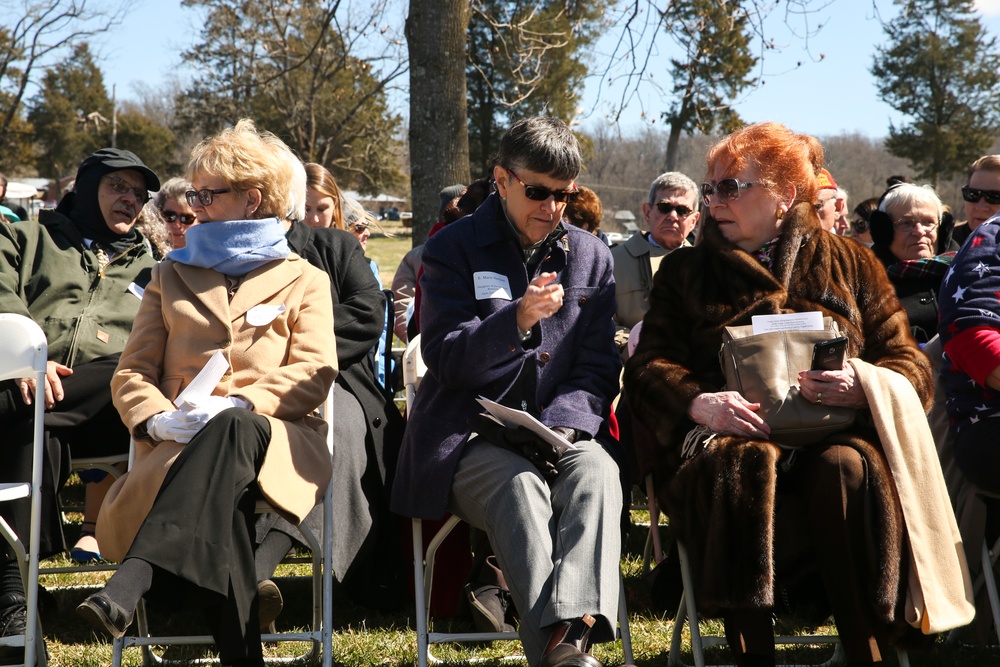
(233, 248)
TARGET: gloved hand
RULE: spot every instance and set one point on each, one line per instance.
(521, 441)
(203, 409)
(176, 426)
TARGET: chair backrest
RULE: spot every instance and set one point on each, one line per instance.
(25, 351)
(413, 370)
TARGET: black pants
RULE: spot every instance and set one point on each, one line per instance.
(83, 424)
(199, 533)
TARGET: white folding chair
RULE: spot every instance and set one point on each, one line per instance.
(423, 563)
(321, 634)
(687, 611)
(25, 354)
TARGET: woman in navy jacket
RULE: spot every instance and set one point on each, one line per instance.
(518, 308)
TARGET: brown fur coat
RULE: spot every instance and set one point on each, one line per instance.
(721, 502)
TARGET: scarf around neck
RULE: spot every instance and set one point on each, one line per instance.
(234, 247)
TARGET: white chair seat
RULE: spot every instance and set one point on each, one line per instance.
(13, 491)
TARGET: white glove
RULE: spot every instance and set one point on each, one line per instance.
(176, 426)
(204, 408)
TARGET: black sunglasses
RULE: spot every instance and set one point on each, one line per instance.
(666, 208)
(973, 195)
(726, 190)
(123, 187)
(539, 193)
(360, 227)
(183, 218)
(205, 196)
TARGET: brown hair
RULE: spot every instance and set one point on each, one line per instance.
(319, 178)
(985, 163)
(585, 211)
(779, 156)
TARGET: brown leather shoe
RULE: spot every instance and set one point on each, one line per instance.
(568, 644)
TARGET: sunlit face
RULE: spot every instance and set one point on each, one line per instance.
(173, 211)
(842, 226)
(826, 209)
(981, 211)
(319, 209)
(225, 206)
(120, 210)
(362, 231)
(670, 229)
(533, 220)
(750, 220)
(921, 241)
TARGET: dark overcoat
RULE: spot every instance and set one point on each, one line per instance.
(721, 502)
(470, 343)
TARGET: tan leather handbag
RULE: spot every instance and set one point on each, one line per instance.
(764, 369)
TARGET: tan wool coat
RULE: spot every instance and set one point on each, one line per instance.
(284, 367)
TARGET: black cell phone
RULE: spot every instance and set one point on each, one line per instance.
(828, 355)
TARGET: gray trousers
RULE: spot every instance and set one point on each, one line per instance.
(559, 545)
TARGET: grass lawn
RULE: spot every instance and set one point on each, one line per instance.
(362, 638)
(387, 252)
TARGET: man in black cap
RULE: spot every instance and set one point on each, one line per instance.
(78, 272)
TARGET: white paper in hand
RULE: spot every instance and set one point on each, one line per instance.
(205, 381)
(510, 418)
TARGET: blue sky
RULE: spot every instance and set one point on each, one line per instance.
(832, 95)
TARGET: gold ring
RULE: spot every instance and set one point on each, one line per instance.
(819, 398)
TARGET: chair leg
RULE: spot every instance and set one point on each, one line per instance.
(418, 592)
(991, 587)
(688, 580)
(623, 628)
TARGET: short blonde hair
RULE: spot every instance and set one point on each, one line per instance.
(247, 158)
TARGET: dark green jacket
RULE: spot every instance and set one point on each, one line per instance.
(48, 274)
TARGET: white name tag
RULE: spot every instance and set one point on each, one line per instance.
(490, 285)
(259, 316)
(136, 290)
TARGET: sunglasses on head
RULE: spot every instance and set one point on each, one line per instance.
(973, 195)
(540, 193)
(174, 216)
(123, 187)
(666, 208)
(205, 196)
(726, 190)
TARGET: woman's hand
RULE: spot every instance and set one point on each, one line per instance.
(728, 413)
(542, 299)
(837, 388)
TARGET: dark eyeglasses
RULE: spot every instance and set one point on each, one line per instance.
(726, 190)
(539, 193)
(360, 227)
(820, 204)
(666, 208)
(973, 195)
(183, 218)
(205, 196)
(123, 187)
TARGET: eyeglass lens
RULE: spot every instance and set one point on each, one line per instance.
(666, 208)
(121, 186)
(174, 216)
(358, 228)
(205, 196)
(726, 190)
(973, 195)
(540, 193)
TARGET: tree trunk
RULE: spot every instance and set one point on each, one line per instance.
(673, 142)
(439, 136)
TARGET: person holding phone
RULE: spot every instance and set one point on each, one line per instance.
(763, 527)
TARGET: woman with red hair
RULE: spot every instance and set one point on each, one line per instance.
(764, 527)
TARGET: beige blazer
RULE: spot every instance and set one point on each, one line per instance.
(634, 278)
(284, 367)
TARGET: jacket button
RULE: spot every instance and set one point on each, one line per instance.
(583, 300)
(226, 342)
(512, 348)
(544, 357)
(377, 422)
(227, 376)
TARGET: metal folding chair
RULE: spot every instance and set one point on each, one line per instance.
(687, 611)
(25, 354)
(321, 634)
(423, 562)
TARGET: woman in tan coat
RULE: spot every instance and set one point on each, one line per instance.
(180, 521)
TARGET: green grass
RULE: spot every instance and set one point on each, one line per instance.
(387, 252)
(363, 638)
